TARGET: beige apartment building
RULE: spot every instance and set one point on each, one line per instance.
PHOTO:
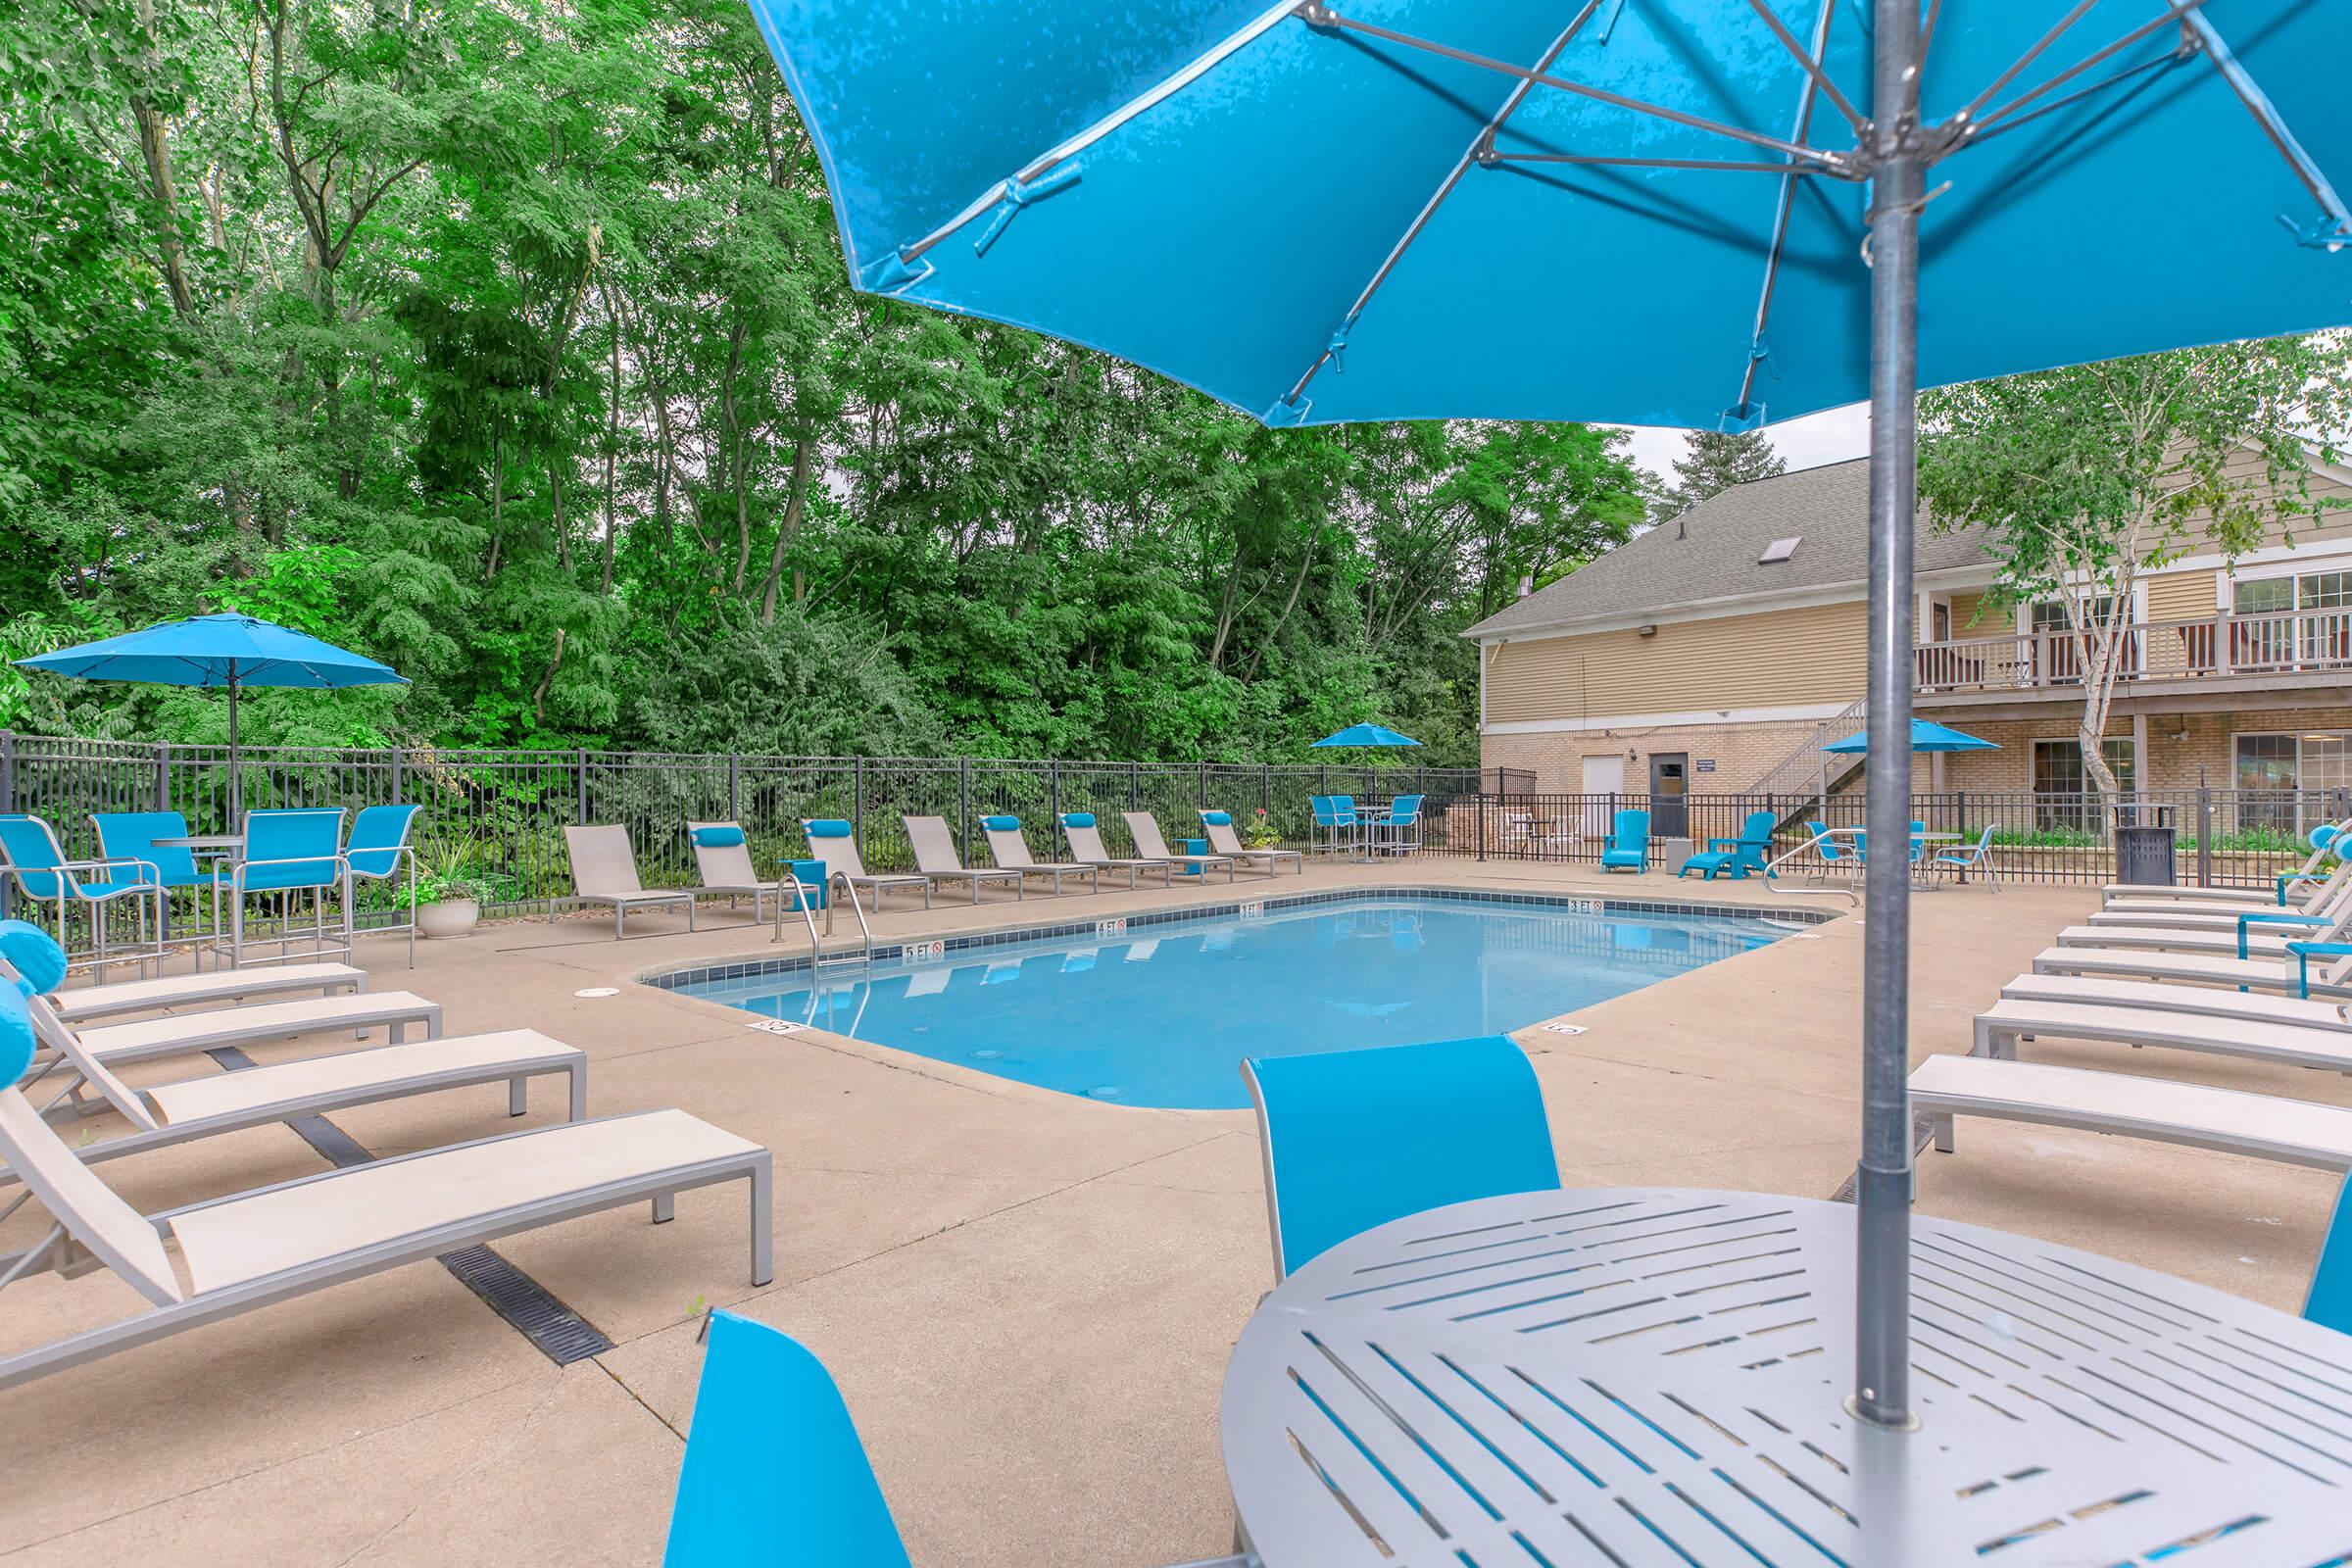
(1716, 654)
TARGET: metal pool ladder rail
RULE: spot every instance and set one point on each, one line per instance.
(818, 956)
(1812, 847)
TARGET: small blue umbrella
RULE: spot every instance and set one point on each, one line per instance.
(222, 649)
(1367, 735)
(1925, 736)
(1680, 212)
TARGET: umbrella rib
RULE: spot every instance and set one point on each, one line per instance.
(1718, 165)
(2173, 10)
(1150, 97)
(1809, 59)
(2058, 30)
(1482, 143)
(1784, 208)
(2266, 115)
(1320, 16)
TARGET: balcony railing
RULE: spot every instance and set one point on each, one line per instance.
(2289, 642)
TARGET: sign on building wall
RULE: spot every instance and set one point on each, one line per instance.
(1705, 764)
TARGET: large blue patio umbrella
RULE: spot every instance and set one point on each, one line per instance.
(1925, 736)
(1367, 735)
(229, 651)
(1676, 211)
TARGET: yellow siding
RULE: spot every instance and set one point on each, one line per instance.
(1967, 622)
(2333, 524)
(1814, 655)
(2181, 596)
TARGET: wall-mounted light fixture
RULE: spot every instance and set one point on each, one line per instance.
(1645, 631)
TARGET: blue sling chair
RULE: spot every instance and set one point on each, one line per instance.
(1629, 843)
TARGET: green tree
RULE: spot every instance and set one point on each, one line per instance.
(1714, 462)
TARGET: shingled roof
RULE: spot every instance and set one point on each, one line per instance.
(1713, 555)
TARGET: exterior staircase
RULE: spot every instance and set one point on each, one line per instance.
(1792, 786)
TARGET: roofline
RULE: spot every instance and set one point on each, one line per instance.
(1823, 592)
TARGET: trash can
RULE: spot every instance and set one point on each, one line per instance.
(2145, 846)
(810, 875)
(1192, 847)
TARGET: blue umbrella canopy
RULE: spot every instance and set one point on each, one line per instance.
(1925, 737)
(226, 649)
(1651, 214)
(1367, 735)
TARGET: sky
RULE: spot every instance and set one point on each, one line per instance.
(1829, 436)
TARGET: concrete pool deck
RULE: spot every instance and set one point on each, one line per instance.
(1027, 1297)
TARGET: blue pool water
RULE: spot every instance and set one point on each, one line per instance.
(1163, 1015)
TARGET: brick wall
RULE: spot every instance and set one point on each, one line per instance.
(1741, 753)
(2167, 764)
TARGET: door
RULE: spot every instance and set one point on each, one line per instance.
(1604, 776)
(1670, 794)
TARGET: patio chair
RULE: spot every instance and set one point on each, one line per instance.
(604, 870)
(1218, 825)
(378, 851)
(1086, 848)
(32, 856)
(131, 836)
(1944, 1087)
(1144, 827)
(722, 859)
(2328, 1300)
(2262, 933)
(2259, 1006)
(936, 858)
(251, 1248)
(1334, 826)
(287, 851)
(1833, 856)
(2286, 885)
(1353, 1139)
(2276, 1029)
(217, 1102)
(1008, 847)
(775, 1473)
(1629, 843)
(834, 842)
(2192, 970)
(1735, 858)
(1398, 830)
(2312, 900)
(1977, 858)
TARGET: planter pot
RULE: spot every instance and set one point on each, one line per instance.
(451, 917)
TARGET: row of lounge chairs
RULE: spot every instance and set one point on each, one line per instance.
(2218, 971)
(603, 864)
(247, 1250)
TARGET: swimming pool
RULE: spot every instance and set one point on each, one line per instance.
(1162, 1014)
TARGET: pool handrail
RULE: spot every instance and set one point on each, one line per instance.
(1812, 846)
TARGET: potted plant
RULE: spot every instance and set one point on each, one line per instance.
(1259, 833)
(446, 905)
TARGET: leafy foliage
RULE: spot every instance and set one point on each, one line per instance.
(510, 343)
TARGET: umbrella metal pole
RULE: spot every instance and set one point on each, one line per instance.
(233, 751)
(1883, 1191)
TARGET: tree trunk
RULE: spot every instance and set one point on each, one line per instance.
(155, 146)
(611, 448)
(803, 454)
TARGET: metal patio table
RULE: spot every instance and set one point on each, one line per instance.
(1634, 1376)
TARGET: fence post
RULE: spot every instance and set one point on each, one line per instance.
(963, 809)
(734, 787)
(2204, 837)
(1960, 825)
(858, 801)
(1265, 786)
(579, 788)
(1204, 786)
(8, 802)
(398, 770)
(1053, 789)
(163, 777)
(1481, 821)
(1134, 786)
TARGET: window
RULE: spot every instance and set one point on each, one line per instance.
(2064, 795)
(1778, 551)
(2281, 778)
(2303, 618)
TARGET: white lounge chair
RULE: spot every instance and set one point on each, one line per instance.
(256, 1248)
(1145, 828)
(185, 1033)
(1222, 839)
(1947, 1087)
(2257, 1006)
(1010, 848)
(213, 988)
(722, 858)
(2327, 1045)
(2284, 889)
(936, 858)
(604, 870)
(256, 1097)
(2261, 941)
(2269, 974)
(1086, 848)
(2315, 902)
(835, 842)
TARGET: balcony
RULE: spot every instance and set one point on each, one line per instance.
(2289, 649)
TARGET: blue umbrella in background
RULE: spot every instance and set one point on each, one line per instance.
(1367, 735)
(1683, 212)
(1925, 736)
(229, 651)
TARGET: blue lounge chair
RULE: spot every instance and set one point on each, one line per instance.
(1353, 1139)
(774, 1470)
(1735, 857)
(30, 854)
(378, 851)
(1629, 843)
(2328, 1301)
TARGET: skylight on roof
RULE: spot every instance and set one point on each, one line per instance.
(1778, 551)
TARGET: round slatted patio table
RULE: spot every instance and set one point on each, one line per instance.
(1637, 1376)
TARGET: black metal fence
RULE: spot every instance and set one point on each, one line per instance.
(2223, 838)
(496, 816)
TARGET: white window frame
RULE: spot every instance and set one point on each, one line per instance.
(2131, 741)
(2298, 736)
